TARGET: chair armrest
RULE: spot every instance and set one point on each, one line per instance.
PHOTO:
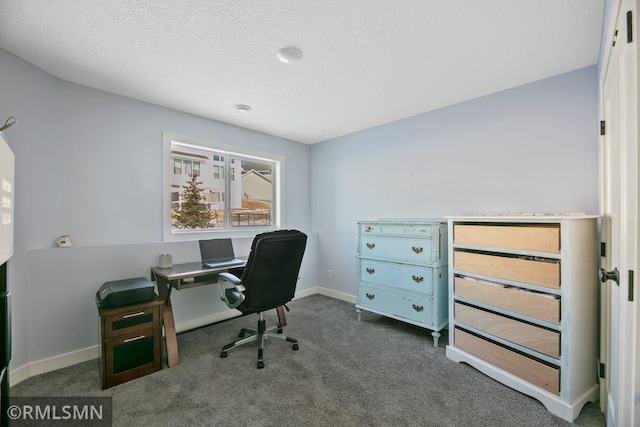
(233, 295)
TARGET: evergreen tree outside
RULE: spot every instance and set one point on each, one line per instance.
(192, 213)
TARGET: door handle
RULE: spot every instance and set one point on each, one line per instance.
(610, 275)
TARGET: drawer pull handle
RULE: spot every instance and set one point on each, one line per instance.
(371, 245)
(126, 316)
(134, 338)
(416, 249)
(417, 308)
(368, 229)
(370, 296)
(417, 279)
(371, 270)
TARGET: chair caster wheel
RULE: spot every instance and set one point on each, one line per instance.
(241, 335)
(295, 346)
(260, 364)
(223, 354)
(279, 330)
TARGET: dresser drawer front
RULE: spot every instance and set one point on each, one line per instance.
(406, 305)
(410, 277)
(538, 373)
(533, 304)
(417, 230)
(530, 271)
(527, 335)
(131, 321)
(529, 237)
(398, 249)
(373, 229)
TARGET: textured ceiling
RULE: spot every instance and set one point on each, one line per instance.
(365, 62)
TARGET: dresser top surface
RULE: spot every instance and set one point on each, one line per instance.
(403, 221)
(543, 217)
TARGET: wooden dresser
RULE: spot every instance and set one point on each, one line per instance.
(402, 267)
(523, 306)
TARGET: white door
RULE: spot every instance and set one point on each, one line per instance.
(619, 205)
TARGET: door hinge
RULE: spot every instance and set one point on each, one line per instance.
(603, 249)
(615, 38)
(630, 291)
(629, 27)
(602, 127)
(602, 370)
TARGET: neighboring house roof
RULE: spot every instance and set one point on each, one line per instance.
(256, 173)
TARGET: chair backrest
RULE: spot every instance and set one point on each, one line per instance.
(271, 274)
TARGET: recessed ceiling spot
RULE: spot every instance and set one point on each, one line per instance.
(241, 108)
(289, 54)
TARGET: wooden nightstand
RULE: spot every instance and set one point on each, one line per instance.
(131, 338)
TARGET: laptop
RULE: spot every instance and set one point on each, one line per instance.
(216, 253)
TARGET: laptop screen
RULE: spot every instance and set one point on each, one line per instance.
(216, 250)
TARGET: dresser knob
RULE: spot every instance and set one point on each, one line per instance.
(368, 229)
(371, 245)
(417, 308)
(416, 250)
(371, 270)
(417, 279)
(370, 296)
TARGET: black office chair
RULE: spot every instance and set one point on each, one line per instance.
(268, 281)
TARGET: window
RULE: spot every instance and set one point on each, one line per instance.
(212, 189)
(182, 166)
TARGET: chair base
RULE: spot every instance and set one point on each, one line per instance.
(259, 335)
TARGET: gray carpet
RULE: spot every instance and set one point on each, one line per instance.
(377, 372)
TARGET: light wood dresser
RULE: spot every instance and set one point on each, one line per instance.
(402, 266)
(523, 306)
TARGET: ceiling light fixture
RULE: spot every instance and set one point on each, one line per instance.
(289, 54)
(241, 108)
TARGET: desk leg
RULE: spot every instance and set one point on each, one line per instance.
(282, 319)
(169, 324)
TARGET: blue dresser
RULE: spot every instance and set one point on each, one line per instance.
(402, 267)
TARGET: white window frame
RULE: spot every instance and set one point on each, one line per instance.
(277, 215)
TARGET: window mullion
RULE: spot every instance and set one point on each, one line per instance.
(228, 220)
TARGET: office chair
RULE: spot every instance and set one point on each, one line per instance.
(268, 282)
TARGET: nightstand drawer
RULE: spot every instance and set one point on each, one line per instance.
(405, 276)
(529, 237)
(525, 270)
(127, 320)
(525, 334)
(529, 369)
(533, 304)
(406, 305)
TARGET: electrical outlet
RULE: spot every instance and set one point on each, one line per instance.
(328, 274)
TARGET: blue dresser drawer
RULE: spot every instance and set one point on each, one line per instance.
(405, 276)
(372, 229)
(407, 306)
(413, 250)
(417, 230)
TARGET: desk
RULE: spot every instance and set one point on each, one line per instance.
(180, 276)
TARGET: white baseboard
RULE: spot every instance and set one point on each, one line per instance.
(52, 363)
(337, 295)
(62, 361)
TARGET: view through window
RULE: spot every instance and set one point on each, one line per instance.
(215, 188)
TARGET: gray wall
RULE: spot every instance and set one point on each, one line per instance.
(89, 164)
(528, 149)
